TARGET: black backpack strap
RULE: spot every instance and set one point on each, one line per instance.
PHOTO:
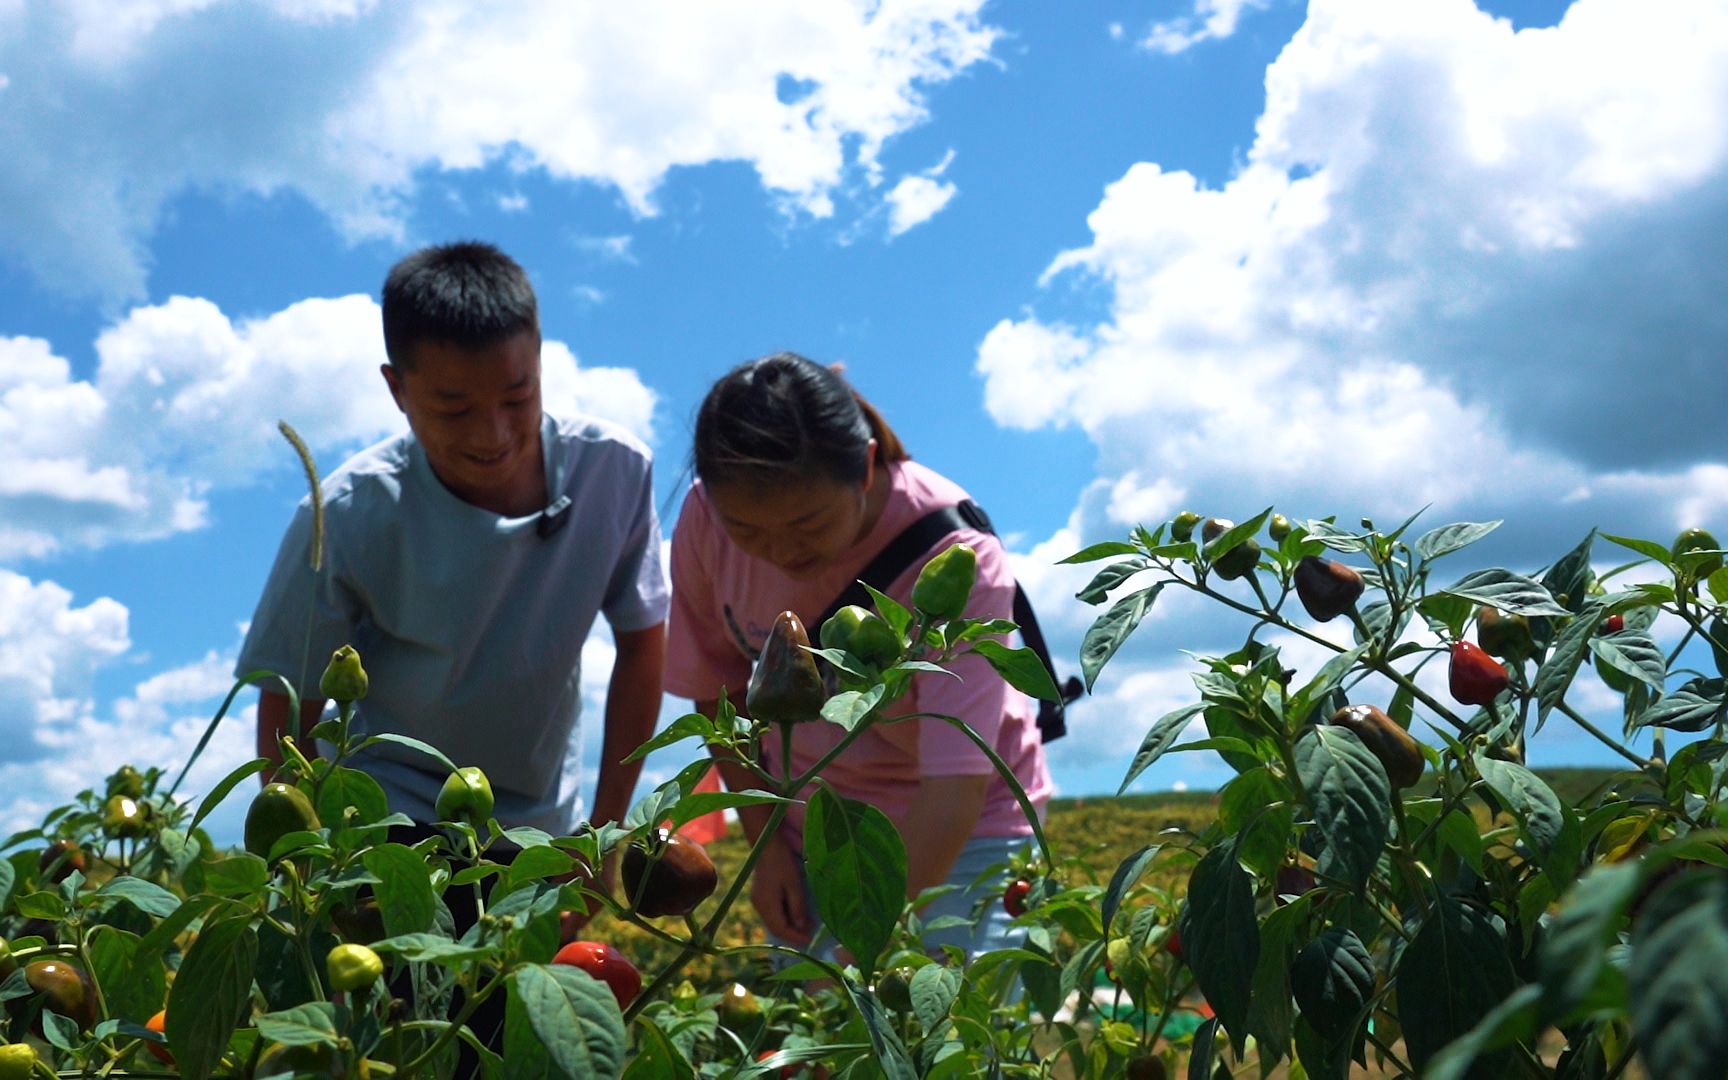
(919, 537)
(1052, 715)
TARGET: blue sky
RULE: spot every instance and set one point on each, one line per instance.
(1096, 261)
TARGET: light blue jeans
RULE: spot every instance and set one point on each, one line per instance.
(991, 930)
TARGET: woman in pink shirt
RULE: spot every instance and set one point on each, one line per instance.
(800, 484)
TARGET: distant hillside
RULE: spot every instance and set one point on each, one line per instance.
(1571, 783)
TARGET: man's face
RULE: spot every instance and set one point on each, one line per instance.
(476, 413)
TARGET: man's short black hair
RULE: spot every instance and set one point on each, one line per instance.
(466, 294)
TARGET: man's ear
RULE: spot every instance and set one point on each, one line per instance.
(393, 379)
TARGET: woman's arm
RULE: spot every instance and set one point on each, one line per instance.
(777, 883)
(938, 824)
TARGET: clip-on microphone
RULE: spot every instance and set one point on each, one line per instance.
(553, 517)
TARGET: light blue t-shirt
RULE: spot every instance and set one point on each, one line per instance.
(470, 625)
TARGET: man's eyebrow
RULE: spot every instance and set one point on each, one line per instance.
(457, 395)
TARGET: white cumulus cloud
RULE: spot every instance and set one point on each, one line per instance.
(919, 197)
(1211, 20)
(185, 399)
(50, 649)
(1434, 278)
(1459, 264)
(113, 111)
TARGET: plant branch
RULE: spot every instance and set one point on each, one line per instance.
(1606, 740)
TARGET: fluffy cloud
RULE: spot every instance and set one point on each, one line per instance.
(919, 197)
(1456, 258)
(1459, 265)
(49, 652)
(185, 399)
(57, 740)
(347, 103)
(1211, 20)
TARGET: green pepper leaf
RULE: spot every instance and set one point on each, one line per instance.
(856, 864)
(1634, 653)
(1511, 593)
(1127, 873)
(214, 797)
(1697, 706)
(1021, 668)
(130, 988)
(311, 1024)
(343, 788)
(1575, 948)
(148, 897)
(413, 744)
(1221, 937)
(1112, 628)
(1108, 578)
(1678, 978)
(404, 889)
(889, 1051)
(1647, 548)
(1570, 576)
(1451, 975)
(694, 806)
(1543, 821)
(1105, 550)
(1557, 672)
(1159, 740)
(1351, 799)
(688, 726)
(1449, 538)
(849, 708)
(573, 1019)
(211, 992)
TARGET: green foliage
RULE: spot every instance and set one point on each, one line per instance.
(1488, 920)
(1473, 922)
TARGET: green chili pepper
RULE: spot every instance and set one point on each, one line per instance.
(862, 633)
(945, 583)
(466, 796)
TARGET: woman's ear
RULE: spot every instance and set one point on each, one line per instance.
(869, 464)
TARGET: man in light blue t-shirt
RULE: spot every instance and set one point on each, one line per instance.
(466, 562)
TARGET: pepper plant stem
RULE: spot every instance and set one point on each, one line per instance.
(1573, 715)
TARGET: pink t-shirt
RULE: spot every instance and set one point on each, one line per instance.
(721, 595)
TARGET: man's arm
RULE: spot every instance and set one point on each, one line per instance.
(632, 708)
(273, 724)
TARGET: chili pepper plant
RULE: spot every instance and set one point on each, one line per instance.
(1374, 890)
(1388, 883)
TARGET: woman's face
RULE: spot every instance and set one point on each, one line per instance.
(801, 526)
